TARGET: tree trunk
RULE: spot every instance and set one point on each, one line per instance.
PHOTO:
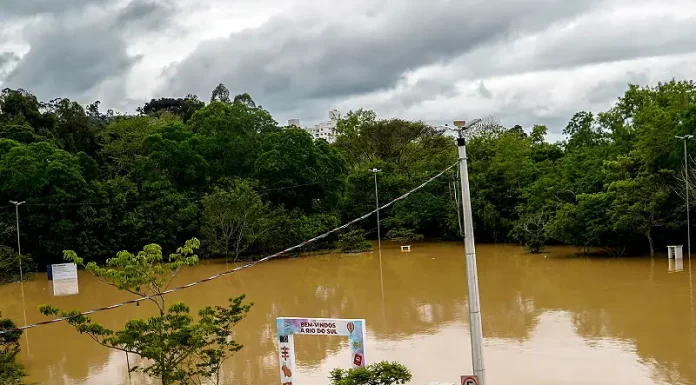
(650, 241)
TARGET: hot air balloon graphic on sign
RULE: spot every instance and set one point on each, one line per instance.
(350, 327)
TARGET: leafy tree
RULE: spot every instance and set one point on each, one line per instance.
(406, 145)
(244, 99)
(11, 371)
(423, 212)
(122, 143)
(349, 139)
(74, 130)
(298, 172)
(177, 348)
(586, 224)
(172, 155)
(228, 136)
(381, 373)
(531, 229)
(183, 108)
(22, 133)
(21, 107)
(293, 227)
(234, 218)
(9, 265)
(46, 177)
(354, 242)
(220, 94)
(639, 206)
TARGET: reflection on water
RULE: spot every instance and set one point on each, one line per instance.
(551, 318)
(65, 287)
(676, 265)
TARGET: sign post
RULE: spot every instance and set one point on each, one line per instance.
(354, 329)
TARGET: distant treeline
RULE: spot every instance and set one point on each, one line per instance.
(228, 173)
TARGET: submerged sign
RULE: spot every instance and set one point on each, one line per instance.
(354, 329)
(61, 271)
(65, 287)
(64, 278)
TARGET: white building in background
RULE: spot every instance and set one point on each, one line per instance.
(325, 130)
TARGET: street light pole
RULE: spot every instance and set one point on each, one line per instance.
(686, 187)
(379, 243)
(475, 326)
(19, 246)
(379, 234)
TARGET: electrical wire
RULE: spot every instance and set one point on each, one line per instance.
(195, 199)
(239, 268)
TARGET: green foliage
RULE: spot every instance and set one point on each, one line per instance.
(146, 273)
(531, 229)
(404, 236)
(11, 371)
(639, 205)
(354, 242)
(585, 224)
(381, 373)
(182, 108)
(101, 182)
(177, 348)
(9, 265)
(235, 218)
(298, 172)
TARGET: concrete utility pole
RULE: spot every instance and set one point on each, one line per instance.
(471, 271)
(686, 187)
(19, 246)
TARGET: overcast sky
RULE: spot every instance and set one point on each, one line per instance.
(523, 61)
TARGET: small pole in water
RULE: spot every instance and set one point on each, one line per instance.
(379, 240)
(21, 274)
(686, 188)
(379, 237)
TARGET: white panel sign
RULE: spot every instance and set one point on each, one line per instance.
(65, 287)
(63, 271)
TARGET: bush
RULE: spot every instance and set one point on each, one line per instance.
(381, 373)
(404, 236)
(354, 242)
(11, 372)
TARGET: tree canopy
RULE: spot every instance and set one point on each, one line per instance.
(103, 182)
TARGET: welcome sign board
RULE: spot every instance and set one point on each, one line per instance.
(354, 329)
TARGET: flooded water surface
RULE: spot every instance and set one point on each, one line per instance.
(550, 318)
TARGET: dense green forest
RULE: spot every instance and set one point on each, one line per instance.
(226, 172)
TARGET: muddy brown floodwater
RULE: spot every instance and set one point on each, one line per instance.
(551, 318)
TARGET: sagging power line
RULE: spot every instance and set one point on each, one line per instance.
(239, 268)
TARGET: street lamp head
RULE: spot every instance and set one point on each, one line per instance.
(18, 203)
(685, 137)
(375, 170)
(688, 136)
